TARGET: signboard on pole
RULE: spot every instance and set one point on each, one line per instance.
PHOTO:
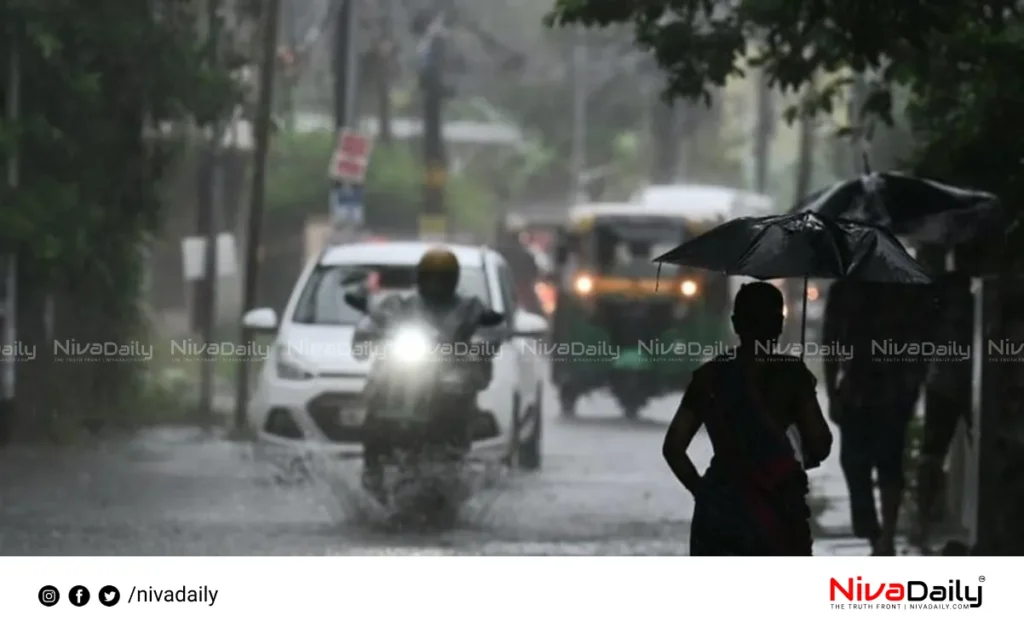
(351, 157)
(193, 256)
(347, 206)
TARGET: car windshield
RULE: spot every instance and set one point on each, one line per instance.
(626, 246)
(323, 299)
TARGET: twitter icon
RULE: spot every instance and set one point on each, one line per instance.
(109, 596)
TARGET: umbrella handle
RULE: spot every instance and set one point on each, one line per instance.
(803, 322)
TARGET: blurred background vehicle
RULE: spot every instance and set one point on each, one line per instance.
(617, 325)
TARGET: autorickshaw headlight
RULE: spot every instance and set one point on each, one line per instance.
(584, 285)
(689, 288)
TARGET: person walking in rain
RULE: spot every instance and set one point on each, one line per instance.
(873, 389)
(524, 268)
(947, 396)
(752, 501)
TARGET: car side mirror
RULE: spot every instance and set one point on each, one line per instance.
(260, 320)
(358, 301)
(490, 318)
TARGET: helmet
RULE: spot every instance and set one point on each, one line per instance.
(437, 275)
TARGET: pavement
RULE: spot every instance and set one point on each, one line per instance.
(603, 490)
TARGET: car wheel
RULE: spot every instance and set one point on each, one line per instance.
(530, 451)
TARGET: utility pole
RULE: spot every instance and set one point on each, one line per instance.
(805, 156)
(254, 226)
(859, 122)
(579, 119)
(385, 61)
(289, 59)
(433, 88)
(802, 188)
(665, 141)
(345, 89)
(764, 130)
(345, 64)
(13, 115)
(209, 181)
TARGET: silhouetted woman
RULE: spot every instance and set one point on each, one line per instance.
(752, 501)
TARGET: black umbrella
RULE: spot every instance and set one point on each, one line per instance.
(923, 210)
(800, 245)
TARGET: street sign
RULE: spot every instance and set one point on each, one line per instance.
(193, 256)
(347, 206)
(351, 157)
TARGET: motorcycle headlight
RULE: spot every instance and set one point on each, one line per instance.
(410, 345)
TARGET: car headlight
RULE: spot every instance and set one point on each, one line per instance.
(410, 345)
(288, 369)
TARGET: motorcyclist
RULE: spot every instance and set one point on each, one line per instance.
(437, 303)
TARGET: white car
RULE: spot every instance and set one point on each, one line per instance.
(308, 395)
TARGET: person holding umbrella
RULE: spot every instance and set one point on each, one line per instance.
(947, 396)
(842, 232)
(752, 500)
(759, 407)
(874, 404)
(872, 392)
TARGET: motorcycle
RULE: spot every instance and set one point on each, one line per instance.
(420, 403)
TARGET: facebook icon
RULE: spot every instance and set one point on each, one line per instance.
(79, 596)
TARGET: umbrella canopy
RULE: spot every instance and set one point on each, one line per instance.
(800, 245)
(923, 210)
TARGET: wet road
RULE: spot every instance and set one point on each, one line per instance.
(603, 491)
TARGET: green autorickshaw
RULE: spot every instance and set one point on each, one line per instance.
(620, 326)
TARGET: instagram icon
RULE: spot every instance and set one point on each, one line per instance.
(49, 596)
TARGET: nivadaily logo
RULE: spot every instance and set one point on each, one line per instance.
(910, 594)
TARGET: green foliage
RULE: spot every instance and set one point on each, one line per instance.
(91, 78)
(958, 58)
(966, 113)
(701, 44)
(297, 174)
(298, 185)
(95, 77)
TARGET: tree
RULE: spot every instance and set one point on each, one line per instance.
(956, 57)
(958, 60)
(96, 78)
(701, 44)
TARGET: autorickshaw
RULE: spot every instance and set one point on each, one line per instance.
(618, 324)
